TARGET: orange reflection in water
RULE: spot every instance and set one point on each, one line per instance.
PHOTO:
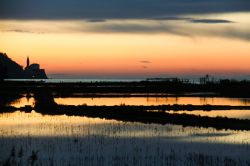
(22, 102)
(20, 124)
(36, 124)
(153, 101)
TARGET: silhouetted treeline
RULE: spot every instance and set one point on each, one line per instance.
(227, 88)
(233, 88)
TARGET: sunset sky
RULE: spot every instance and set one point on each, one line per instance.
(129, 37)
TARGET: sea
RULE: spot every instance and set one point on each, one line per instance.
(77, 79)
(67, 80)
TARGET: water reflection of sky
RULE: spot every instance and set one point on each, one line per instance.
(153, 101)
(240, 114)
(19, 124)
(22, 102)
(110, 101)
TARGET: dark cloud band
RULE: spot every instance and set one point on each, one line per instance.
(210, 21)
(114, 9)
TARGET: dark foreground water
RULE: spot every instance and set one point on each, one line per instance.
(35, 139)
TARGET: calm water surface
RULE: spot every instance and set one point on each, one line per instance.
(241, 114)
(72, 140)
(110, 101)
(19, 124)
(153, 101)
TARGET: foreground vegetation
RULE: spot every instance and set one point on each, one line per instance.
(34, 139)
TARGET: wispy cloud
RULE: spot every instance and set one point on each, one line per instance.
(191, 29)
(187, 28)
(22, 31)
(170, 18)
(145, 64)
(145, 61)
(210, 21)
(190, 19)
(96, 20)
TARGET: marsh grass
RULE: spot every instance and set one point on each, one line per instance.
(33, 139)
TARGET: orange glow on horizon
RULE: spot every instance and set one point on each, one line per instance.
(123, 53)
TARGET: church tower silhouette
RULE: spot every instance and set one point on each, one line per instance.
(28, 62)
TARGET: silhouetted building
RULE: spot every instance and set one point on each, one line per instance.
(28, 62)
(207, 79)
(34, 71)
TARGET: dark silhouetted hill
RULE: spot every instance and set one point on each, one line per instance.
(9, 69)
